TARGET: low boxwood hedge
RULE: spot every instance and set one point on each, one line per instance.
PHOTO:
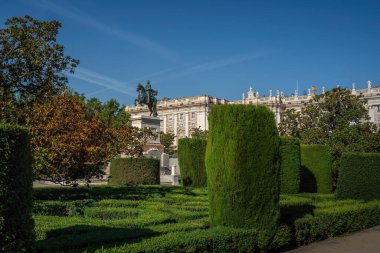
(336, 220)
(16, 223)
(191, 159)
(218, 239)
(135, 171)
(359, 176)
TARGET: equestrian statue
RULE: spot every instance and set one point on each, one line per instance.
(147, 96)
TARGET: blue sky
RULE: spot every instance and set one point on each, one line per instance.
(218, 48)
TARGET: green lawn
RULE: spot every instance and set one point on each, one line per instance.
(164, 219)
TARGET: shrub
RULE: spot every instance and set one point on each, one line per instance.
(290, 154)
(16, 231)
(336, 220)
(243, 167)
(218, 239)
(316, 169)
(191, 158)
(359, 176)
(135, 171)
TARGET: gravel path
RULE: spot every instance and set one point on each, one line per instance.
(366, 241)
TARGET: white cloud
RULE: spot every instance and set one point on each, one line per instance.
(84, 18)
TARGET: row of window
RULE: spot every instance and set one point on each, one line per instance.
(181, 116)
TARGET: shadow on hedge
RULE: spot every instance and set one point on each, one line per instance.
(100, 192)
(308, 183)
(292, 212)
(81, 237)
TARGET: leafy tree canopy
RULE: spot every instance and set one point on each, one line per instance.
(336, 118)
(199, 133)
(32, 63)
(167, 139)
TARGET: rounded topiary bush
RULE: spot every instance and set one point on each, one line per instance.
(242, 164)
(359, 176)
(316, 169)
(191, 159)
(290, 154)
(135, 171)
(16, 223)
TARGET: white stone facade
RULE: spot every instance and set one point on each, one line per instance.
(180, 115)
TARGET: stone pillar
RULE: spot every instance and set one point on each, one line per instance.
(369, 86)
(202, 119)
(175, 120)
(187, 124)
(165, 122)
(206, 118)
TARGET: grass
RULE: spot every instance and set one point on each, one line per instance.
(165, 218)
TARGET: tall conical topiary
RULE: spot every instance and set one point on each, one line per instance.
(242, 164)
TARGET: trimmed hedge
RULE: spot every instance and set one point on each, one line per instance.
(135, 171)
(16, 228)
(290, 154)
(316, 169)
(336, 220)
(218, 239)
(191, 159)
(242, 164)
(359, 176)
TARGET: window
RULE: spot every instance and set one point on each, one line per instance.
(378, 108)
(181, 116)
(193, 115)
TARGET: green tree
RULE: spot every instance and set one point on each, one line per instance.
(167, 139)
(290, 125)
(199, 133)
(32, 64)
(111, 113)
(336, 118)
(66, 143)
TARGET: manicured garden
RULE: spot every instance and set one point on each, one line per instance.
(176, 219)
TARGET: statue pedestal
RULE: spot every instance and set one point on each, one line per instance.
(153, 147)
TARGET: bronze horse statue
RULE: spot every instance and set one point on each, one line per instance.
(147, 96)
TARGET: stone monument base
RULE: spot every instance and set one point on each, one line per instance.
(153, 148)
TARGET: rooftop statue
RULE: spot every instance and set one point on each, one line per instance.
(147, 96)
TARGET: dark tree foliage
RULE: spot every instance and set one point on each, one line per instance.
(191, 159)
(16, 223)
(290, 154)
(242, 164)
(32, 64)
(359, 176)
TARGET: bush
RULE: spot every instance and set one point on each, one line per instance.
(242, 164)
(336, 220)
(359, 176)
(135, 171)
(290, 154)
(191, 158)
(218, 239)
(316, 169)
(16, 230)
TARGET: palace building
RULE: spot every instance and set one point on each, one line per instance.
(181, 115)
